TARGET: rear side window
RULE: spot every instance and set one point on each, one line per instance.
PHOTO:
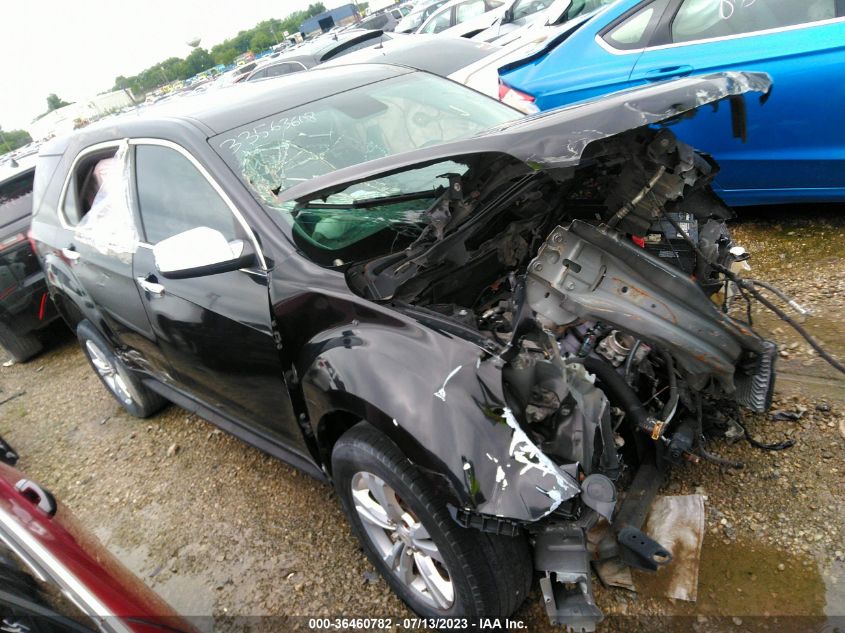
(174, 197)
(375, 22)
(467, 10)
(16, 197)
(524, 8)
(86, 181)
(438, 23)
(706, 19)
(284, 69)
(635, 30)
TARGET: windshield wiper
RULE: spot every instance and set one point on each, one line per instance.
(371, 202)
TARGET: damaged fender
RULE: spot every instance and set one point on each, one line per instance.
(443, 406)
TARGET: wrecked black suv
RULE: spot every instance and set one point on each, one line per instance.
(483, 329)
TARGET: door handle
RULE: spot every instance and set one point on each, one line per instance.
(70, 254)
(37, 495)
(669, 71)
(150, 286)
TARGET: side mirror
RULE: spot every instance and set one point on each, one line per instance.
(507, 16)
(199, 252)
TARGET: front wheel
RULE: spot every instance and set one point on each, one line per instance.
(122, 384)
(438, 568)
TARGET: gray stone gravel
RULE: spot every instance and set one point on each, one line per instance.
(218, 528)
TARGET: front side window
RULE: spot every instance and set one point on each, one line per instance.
(706, 19)
(173, 196)
(378, 120)
(634, 31)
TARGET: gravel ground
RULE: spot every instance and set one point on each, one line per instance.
(219, 529)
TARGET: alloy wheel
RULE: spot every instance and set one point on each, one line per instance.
(108, 372)
(402, 540)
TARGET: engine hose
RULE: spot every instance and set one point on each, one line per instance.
(749, 287)
(782, 296)
(779, 446)
(629, 362)
(672, 403)
(699, 440)
(618, 391)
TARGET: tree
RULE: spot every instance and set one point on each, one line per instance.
(11, 140)
(198, 61)
(260, 37)
(260, 41)
(54, 102)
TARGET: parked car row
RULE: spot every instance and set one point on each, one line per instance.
(556, 53)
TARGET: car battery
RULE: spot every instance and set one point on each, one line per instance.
(664, 241)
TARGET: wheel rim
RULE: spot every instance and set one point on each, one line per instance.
(402, 541)
(108, 372)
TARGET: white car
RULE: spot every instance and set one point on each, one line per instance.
(463, 18)
(418, 15)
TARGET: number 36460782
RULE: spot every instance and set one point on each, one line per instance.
(260, 132)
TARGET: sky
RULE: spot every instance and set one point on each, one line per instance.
(76, 48)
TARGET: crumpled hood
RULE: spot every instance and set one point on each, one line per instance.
(536, 140)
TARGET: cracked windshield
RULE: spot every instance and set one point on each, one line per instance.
(371, 122)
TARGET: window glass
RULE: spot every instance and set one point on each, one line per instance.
(467, 10)
(107, 224)
(374, 121)
(173, 196)
(704, 19)
(85, 184)
(634, 32)
(16, 198)
(524, 8)
(439, 22)
(331, 226)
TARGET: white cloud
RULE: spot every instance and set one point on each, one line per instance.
(77, 48)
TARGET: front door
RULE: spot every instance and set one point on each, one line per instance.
(794, 143)
(215, 330)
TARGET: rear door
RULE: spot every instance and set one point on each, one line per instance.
(97, 238)
(793, 143)
(215, 330)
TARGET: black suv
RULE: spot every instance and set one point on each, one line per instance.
(399, 285)
(24, 304)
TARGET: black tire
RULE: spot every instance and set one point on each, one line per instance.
(22, 347)
(491, 575)
(130, 392)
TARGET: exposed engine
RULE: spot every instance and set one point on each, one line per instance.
(603, 289)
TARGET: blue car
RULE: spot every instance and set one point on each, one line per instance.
(795, 143)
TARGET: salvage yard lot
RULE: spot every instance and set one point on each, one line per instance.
(220, 529)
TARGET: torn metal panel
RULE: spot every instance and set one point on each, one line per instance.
(592, 273)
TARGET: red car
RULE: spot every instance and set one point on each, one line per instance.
(56, 577)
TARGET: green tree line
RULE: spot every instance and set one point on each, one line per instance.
(260, 37)
(11, 140)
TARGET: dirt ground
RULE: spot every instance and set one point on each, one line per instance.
(222, 531)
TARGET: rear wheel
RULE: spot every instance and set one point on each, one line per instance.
(22, 347)
(121, 383)
(437, 567)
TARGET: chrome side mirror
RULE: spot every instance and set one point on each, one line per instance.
(199, 252)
